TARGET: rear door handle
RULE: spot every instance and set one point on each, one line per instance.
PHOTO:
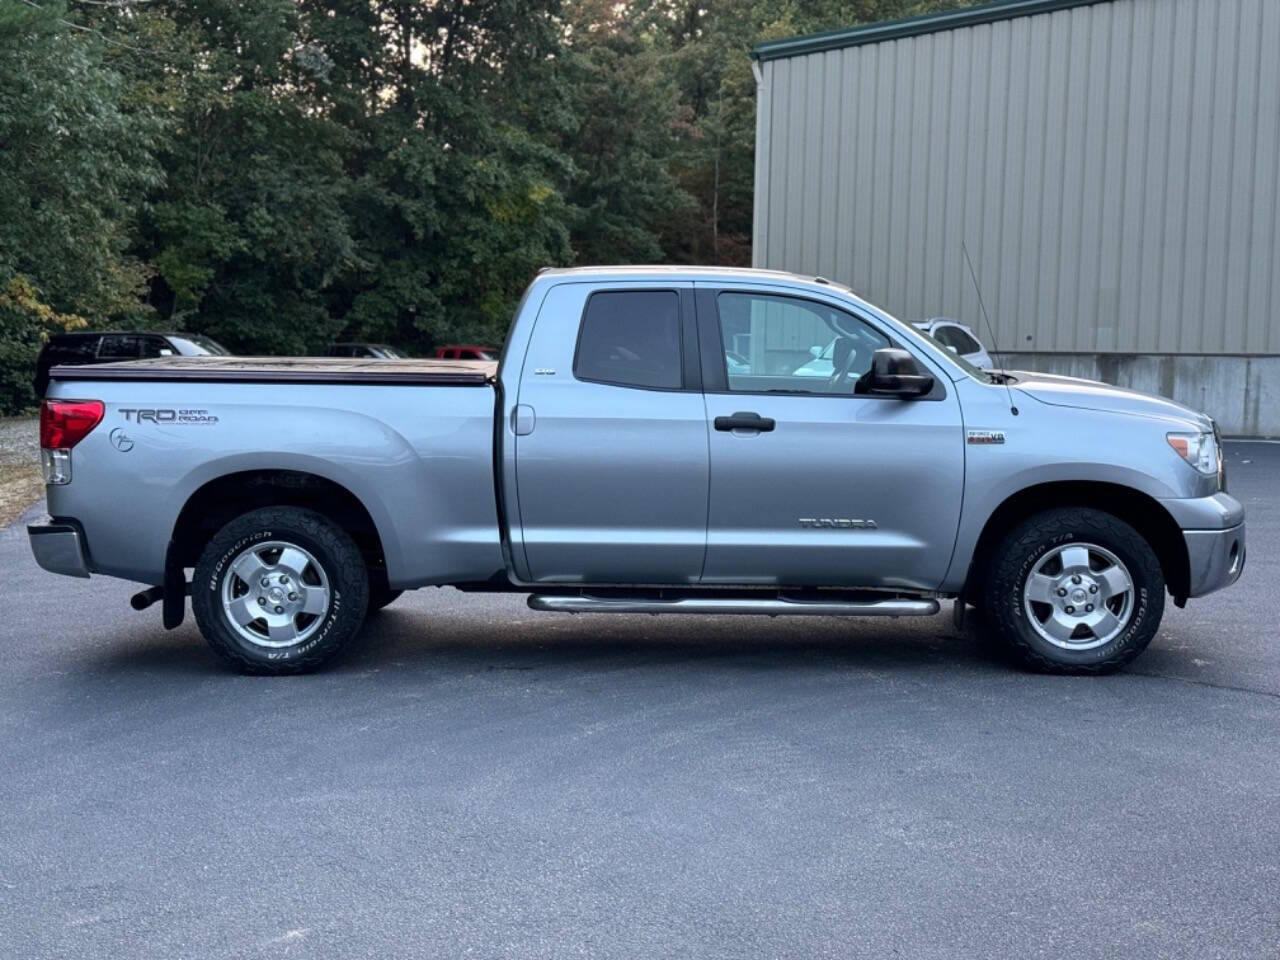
(745, 421)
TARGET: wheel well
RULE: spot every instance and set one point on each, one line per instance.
(1143, 513)
(220, 501)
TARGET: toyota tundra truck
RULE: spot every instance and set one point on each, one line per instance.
(647, 443)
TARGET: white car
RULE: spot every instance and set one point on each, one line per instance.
(954, 336)
(958, 338)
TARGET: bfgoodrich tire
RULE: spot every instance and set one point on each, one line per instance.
(280, 590)
(1075, 591)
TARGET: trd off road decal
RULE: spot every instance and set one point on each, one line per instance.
(167, 415)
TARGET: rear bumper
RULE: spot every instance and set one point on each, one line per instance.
(59, 548)
(1215, 557)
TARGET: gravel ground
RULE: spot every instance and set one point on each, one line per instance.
(20, 484)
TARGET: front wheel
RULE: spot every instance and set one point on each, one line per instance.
(279, 590)
(1075, 591)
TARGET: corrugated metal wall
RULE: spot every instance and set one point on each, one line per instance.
(1114, 170)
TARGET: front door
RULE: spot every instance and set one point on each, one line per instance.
(611, 438)
(810, 483)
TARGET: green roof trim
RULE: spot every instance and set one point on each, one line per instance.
(911, 27)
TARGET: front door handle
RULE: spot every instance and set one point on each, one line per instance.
(745, 421)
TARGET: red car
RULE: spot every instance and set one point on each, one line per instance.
(467, 351)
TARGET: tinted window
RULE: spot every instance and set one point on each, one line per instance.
(947, 337)
(72, 349)
(194, 345)
(117, 346)
(790, 345)
(631, 338)
(966, 343)
(156, 347)
(957, 339)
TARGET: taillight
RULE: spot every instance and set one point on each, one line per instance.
(64, 423)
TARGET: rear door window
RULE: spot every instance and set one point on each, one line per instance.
(631, 338)
(116, 346)
(73, 350)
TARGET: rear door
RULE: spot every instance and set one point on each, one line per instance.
(611, 437)
(812, 484)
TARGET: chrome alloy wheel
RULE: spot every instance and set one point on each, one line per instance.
(1079, 596)
(275, 594)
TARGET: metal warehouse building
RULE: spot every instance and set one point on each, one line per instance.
(1113, 167)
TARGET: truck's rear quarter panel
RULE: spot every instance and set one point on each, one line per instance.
(420, 458)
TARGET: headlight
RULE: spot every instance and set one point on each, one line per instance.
(1198, 449)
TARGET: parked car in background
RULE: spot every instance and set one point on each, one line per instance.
(958, 338)
(374, 351)
(467, 351)
(71, 349)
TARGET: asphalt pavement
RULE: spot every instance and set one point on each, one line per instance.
(479, 780)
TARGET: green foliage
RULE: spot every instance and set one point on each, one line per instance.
(25, 323)
(281, 173)
(77, 160)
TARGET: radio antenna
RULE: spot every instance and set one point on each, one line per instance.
(1004, 377)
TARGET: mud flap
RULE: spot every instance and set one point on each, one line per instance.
(174, 606)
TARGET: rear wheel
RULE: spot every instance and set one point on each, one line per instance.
(279, 590)
(1075, 591)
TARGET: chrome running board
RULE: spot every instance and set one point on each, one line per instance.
(770, 606)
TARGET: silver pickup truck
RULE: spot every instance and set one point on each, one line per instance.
(646, 444)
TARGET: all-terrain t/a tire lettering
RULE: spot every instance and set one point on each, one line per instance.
(1074, 591)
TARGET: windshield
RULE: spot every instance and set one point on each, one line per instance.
(985, 376)
(195, 345)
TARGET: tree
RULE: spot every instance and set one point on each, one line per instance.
(710, 43)
(621, 187)
(280, 173)
(77, 161)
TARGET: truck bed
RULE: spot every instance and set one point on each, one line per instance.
(461, 373)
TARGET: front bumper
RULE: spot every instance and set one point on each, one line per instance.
(1215, 557)
(1213, 530)
(59, 548)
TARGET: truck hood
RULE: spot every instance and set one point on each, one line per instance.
(1093, 395)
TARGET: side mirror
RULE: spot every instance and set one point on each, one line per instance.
(815, 352)
(953, 349)
(894, 372)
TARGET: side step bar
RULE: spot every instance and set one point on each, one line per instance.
(771, 606)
